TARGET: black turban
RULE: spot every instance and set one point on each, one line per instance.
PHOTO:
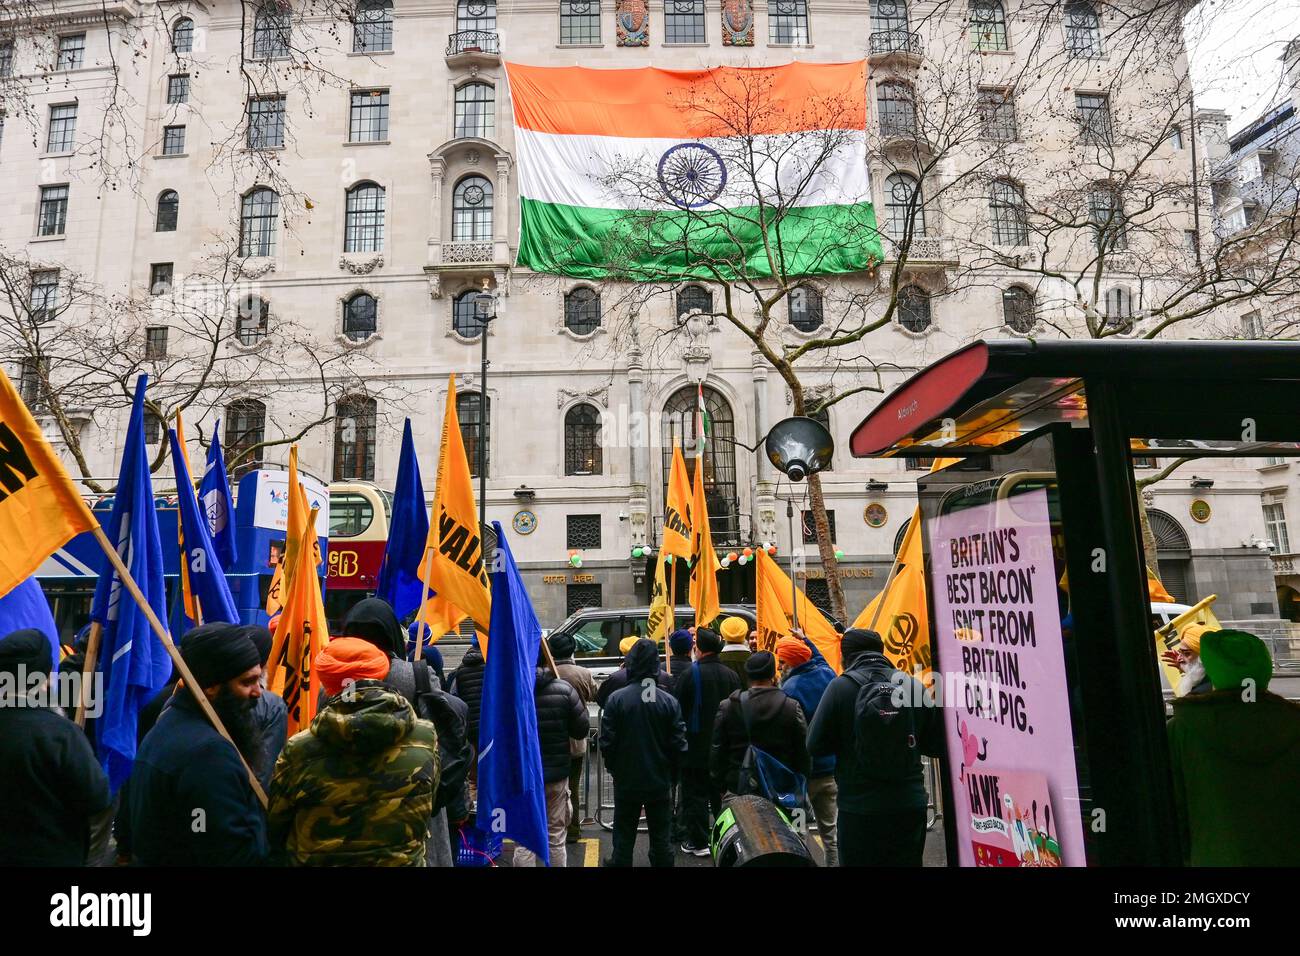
(707, 640)
(262, 639)
(562, 646)
(29, 649)
(760, 665)
(857, 640)
(216, 653)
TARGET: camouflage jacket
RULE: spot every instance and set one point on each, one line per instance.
(356, 788)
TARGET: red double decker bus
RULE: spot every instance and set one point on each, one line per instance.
(359, 515)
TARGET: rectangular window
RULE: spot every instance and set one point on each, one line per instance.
(7, 58)
(265, 122)
(1274, 460)
(63, 129)
(579, 596)
(918, 464)
(173, 140)
(178, 88)
(1110, 228)
(684, 21)
(1275, 527)
(1094, 118)
(29, 383)
(160, 278)
(787, 21)
(582, 532)
(369, 123)
(1143, 462)
(155, 342)
(45, 295)
(1251, 326)
(810, 527)
(54, 211)
(579, 22)
(997, 111)
(1176, 138)
(72, 51)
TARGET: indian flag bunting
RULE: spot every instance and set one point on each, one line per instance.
(647, 173)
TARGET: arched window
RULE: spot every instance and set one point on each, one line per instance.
(914, 308)
(582, 310)
(1007, 213)
(1018, 310)
(1106, 210)
(694, 297)
(904, 204)
(988, 25)
(464, 320)
(679, 423)
(169, 210)
(476, 15)
(360, 316)
(258, 220)
(354, 438)
(373, 29)
(1082, 29)
(1173, 556)
(252, 319)
(888, 16)
(474, 427)
(245, 429)
(476, 110)
(897, 108)
(271, 31)
(365, 219)
(183, 36)
(471, 210)
(806, 309)
(1118, 309)
(582, 441)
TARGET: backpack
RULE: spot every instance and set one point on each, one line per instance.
(765, 776)
(884, 734)
(440, 709)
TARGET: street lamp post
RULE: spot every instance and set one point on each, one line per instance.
(485, 311)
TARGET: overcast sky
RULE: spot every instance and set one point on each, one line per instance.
(1236, 54)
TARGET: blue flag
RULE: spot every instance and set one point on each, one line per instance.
(217, 503)
(408, 530)
(133, 662)
(511, 790)
(25, 607)
(207, 580)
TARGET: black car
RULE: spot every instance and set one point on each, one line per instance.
(597, 631)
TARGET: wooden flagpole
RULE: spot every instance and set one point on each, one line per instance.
(116, 560)
(88, 670)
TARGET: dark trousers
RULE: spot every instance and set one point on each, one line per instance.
(892, 838)
(575, 797)
(659, 819)
(699, 798)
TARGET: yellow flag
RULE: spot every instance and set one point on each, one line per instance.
(302, 629)
(455, 572)
(677, 520)
(192, 608)
(660, 619)
(40, 510)
(1168, 637)
(1157, 590)
(774, 588)
(704, 575)
(903, 622)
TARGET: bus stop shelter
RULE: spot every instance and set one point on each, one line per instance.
(1038, 602)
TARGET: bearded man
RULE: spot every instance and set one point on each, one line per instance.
(191, 803)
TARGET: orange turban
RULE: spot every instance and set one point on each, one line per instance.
(349, 658)
(792, 652)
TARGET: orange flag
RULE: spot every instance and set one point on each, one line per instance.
(192, 607)
(40, 510)
(677, 509)
(704, 574)
(775, 607)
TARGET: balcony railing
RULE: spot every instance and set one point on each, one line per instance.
(884, 42)
(474, 41)
(924, 250)
(468, 252)
(731, 529)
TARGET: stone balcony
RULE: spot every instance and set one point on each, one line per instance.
(939, 252)
(894, 48)
(473, 48)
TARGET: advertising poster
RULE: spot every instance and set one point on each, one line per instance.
(1006, 706)
(272, 510)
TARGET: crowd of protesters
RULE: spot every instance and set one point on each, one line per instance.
(384, 775)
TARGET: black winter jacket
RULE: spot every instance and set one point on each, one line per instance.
(778, 728)
(678, 663)
(643, 740)
(831, 733)
(185, 764)
(700, 703)
(466, 682)
(561, 716)
(619, 679)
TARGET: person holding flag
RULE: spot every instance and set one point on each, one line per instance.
(133, 665)
(399, 574)
(217, 503)
(205, 581)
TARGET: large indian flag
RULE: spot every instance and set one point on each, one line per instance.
(652, 174)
